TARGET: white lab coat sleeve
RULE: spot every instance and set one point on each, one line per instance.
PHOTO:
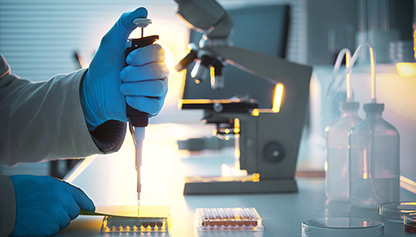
(45, 120)
(7, 206)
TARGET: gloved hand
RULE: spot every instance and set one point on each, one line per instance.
(44, 205)
(103, 93)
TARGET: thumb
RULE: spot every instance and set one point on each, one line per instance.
(83, 201)
(121, 30)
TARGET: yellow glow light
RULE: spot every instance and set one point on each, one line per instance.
(237, 148)
(180, 103)
(348, 59)
(207, 101)
(414, 39)
(212, 72)
(278, 96)
(236, 126)
(256, 177)
(255, 112)
(365, 174)
(373, 74)
(406, 69)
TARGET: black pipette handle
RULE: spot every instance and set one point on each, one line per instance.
(138, 118)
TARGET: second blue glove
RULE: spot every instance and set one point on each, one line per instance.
(45, 205)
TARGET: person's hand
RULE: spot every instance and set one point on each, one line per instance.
(108, 84)
(44, 205)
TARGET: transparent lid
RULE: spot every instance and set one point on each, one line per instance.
(342, 227)
(395, 211)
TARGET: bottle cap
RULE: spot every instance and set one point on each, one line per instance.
(373, 108)
(348, 106)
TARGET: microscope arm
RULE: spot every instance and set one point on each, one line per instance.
(270, 68)
(207, 16)
(269, 144)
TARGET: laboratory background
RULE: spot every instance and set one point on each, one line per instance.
(285, 136)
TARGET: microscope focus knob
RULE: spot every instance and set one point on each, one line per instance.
(273, 152)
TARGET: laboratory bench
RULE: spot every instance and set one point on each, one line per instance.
(109, 180)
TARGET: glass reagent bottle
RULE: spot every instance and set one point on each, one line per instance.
(374, 160)
(337, 165)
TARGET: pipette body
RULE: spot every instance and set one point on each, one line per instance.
(138, 120)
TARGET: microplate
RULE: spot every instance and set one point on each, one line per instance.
(119, 224)
(228, 219)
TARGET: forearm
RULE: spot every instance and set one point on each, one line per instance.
(42, 120)
(45, 120)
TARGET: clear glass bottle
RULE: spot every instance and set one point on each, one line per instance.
(374, 160)
(336, 166)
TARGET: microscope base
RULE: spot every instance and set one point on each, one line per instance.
(238, 187)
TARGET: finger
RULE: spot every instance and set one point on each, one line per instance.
(72, 209)
(83, 201)
(151, 71)
(154, 88)
(49, 230)
(55, 217)
(148, 105)
(145, 55)
(121, 30)
(64, 219)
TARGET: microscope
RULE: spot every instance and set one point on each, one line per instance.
(266, 140)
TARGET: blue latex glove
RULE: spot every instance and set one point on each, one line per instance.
(108, 84)
(44, 205)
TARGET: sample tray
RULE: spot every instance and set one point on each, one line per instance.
(228, 219)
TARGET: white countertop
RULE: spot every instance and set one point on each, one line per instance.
(110, 181)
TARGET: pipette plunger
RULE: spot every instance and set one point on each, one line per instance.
(138, 120)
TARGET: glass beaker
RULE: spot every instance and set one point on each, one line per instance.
(374, 160)
(342, 227)
(395, 211)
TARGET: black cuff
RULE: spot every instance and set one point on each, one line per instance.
(109, 136)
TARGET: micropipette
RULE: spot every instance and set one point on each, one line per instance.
(138, 120)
